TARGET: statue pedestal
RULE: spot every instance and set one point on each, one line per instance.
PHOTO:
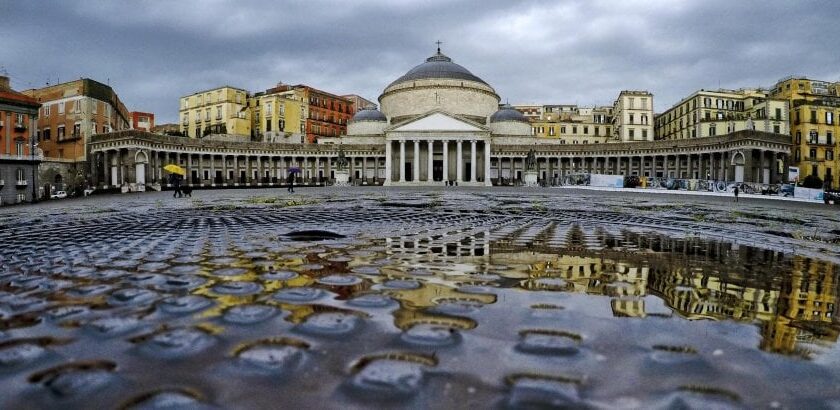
(342, 178)
(530, 179)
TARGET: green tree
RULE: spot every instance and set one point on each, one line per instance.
(812, 181)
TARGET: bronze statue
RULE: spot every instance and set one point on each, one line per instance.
(531, 160)
(341, 162)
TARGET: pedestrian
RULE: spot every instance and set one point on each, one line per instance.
(291, 182)
(175, 180)
(736, 193)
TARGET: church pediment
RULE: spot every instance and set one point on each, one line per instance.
(438, 121)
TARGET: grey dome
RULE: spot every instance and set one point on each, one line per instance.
(438, 66)
(369, 114)
(508, 113)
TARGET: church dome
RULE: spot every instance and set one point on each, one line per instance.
(438, 66)
(369, 114)
(508, 113)
(438, 84)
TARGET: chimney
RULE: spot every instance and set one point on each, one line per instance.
(4, 83)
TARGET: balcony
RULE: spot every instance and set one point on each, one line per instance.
(19, 126)
(22, 183)
(1, 123)
(2, 183)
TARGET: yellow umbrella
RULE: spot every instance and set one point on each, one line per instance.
(175, 169)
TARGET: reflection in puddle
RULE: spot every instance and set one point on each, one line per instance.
(518, 313)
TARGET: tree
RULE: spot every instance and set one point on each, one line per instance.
(812, 181)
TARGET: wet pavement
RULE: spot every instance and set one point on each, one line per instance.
(371, 297)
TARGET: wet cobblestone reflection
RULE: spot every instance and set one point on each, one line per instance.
(435, 308)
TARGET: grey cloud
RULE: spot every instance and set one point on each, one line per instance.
(576, 51)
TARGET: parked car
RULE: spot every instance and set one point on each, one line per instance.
(59, 195)
(831, 197)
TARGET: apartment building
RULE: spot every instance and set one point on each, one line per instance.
(571, 124)
(633, 116)
(72, 112)
(222, 110)
(707, 113)
(18, 162)
(814, 110)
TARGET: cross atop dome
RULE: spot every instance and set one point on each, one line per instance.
(438, 44)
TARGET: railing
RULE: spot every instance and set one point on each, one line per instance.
(21, 157)
(22, 183)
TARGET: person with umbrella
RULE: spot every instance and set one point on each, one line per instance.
(292, 172)
(175, 178)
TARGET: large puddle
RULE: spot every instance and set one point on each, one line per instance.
(228, 312)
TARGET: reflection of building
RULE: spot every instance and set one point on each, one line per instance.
(806, 307)
(814, 111)
(18, 165)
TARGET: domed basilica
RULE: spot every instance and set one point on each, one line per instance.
(437, 123)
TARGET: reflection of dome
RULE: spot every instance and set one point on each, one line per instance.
(508, 113)
(369, 114)
(438, 66)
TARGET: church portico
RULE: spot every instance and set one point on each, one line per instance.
(437, 160)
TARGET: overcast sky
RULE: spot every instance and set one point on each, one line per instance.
(544, 52)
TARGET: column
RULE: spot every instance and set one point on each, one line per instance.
(402, 161)
(446, 161)
(364, 169)
(774, 170)
(487, 181)
(388, 175)
(472, 161)
(107, 169)
(430, 175)
(416, 164)
(459, 165)
(249, 171)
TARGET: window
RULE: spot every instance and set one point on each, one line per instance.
(813, 170)
(562, 130)
(631, 133)
(644, 134)
(813, 137)
(186, 119)
(778, 114)
(19, 147)
(814, 116)
(238, 98)
(812, 154)
(77, 129)
(829, 154)
(644, 102)
(46, 134)
(551, 131)
(60, 132)
(632, 102)
(720, 115)
(829, 138)
(776, 129)
(268, 125)
(93, 128)
(829, 118)
(798, 137)
(206, 114)
(46, 110)
(20, 175)
(219, 112)
(574, 130)
(631, 118)
(94, 105)
(586, 130)
(712, 130)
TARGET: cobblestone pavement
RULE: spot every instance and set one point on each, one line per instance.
(369, 297)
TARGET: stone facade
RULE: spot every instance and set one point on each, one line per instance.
(471, 99)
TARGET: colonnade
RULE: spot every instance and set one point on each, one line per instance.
(749, 165)
(431, 161)
(120, 167)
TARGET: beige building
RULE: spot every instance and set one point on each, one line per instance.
(279, 116)
(710, 113)
(222, 110)
(570, 124)
(633, 116)
(814, 111)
